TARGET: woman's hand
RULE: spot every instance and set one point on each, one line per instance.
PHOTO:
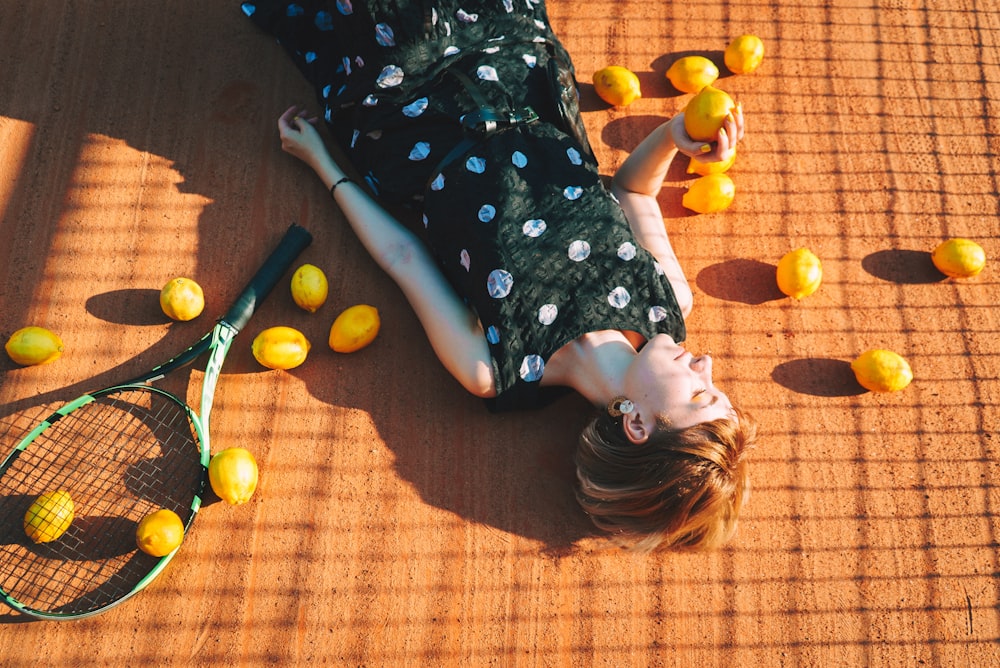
(730, 134)
(300, 138)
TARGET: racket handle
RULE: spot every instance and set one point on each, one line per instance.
(296, 240)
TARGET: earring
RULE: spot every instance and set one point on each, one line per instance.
(620, 406)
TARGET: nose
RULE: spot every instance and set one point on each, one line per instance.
(702, 365)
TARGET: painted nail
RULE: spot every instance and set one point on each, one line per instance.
(706, 148)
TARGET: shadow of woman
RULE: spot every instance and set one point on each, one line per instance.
(513, 472)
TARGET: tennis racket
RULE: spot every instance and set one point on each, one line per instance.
(120, 453)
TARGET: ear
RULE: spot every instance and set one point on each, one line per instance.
(636, 429)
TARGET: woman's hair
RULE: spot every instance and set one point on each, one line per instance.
(681, 488)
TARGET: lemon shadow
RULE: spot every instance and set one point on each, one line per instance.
(819, 377)
(740, 280)
(902, 266)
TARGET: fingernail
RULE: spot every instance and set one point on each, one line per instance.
(706, 148)
(722, 132)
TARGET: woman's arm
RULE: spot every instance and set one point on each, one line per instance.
(453, 329)
(638, 181)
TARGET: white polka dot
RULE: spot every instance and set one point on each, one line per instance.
(389, 77)
(464, 259)
(487, 73)
(476, 165)
(384, 35)
(574, 156)
(491, 49)
(438, 182)
(415, 108)
(347, 65)
(326, 91)
(451, 51)
(493, 334)
(547, 314)
(466, 17)
(530, 60)
(354, 137)
(534, 227)
(519, 159)
(627, 251)
(487, 212)
(619, 297)
(374, 134)
(579, 250)
(499, 283)
(420, 151)
(369, 101)
(532, 368)
(508, 5)
(345, 7)
(426, 221)
(657, 313)
(572, 192)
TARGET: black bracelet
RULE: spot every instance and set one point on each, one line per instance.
(346, 179)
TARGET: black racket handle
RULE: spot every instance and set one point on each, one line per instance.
(296, 240)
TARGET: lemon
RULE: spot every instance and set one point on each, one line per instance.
(706, 168)
(706, 112)
(692, 73)
(49, 517)
(709, 194)
(159, 533)
(799, 273)
(34, 345)
(182, 299)
(616, 85)
(882, 371)
(959, 258)
(354, 329)
(281, 347)
(744, 54)
(233, 475)
(309, 287)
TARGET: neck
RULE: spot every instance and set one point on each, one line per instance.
(594, 365)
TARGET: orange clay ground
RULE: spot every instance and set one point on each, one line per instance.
(399, 523)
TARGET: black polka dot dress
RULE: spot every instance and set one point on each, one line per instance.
(514, 211)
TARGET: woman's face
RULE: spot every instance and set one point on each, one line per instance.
(666, 380)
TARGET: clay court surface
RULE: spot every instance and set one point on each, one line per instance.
(398, 522)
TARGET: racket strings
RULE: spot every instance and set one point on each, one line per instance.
(120, 457)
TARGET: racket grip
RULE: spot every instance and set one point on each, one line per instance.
(296, 240)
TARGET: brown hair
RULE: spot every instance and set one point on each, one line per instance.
(682, 488)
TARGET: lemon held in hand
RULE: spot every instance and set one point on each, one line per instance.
(705, 168)
(33, 345)
(882, 371)
(692, 73)
(160, 533)
(233, 475)
(309, 287)
(706, 112)
(280, 347)
(616, 85)
(182, 299)
(744, 54)
(710, 194)
(354, 329)
(49, 517)
(799, 273)
(959, 258)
